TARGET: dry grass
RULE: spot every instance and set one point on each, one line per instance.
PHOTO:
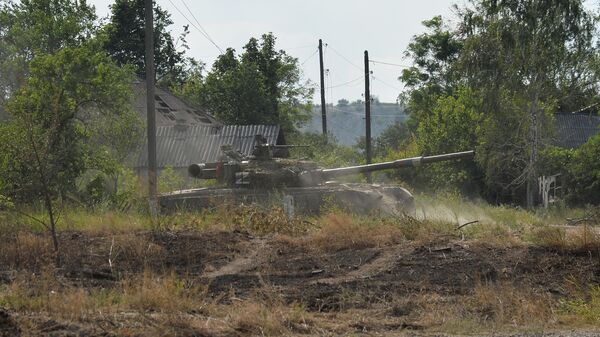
(262, 221)
(490, 307)
(21, 249)
(581, 239)
(339, 232)
(271, 317)
(168, 303)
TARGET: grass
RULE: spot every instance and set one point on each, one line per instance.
(175, 302)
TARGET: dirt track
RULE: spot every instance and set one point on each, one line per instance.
(236, 265)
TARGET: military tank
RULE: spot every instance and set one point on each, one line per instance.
(301, 186)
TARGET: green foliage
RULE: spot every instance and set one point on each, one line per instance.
(125, 42)
(585, 172)
(586, 308)
(433, 54)
(169, 180)
(33, 27)
(579, 171)
(494, 81)
(260, 86)
(393, 138)
(326, 153)
(44, 147)
(5, 203)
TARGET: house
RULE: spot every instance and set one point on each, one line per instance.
(186, 134)
(574, 129)
(170, 110)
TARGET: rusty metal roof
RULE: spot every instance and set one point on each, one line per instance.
(180, 145)
(573, 130)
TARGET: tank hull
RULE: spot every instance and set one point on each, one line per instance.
(357, 198)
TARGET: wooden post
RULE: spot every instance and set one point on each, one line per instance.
(367, 113)
(323, 107)
(150, 111)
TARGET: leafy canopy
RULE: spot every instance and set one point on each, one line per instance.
(493, 81)
(260, 86)
(125, 42)
(34, 27)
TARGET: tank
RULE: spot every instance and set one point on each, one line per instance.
(300, 186)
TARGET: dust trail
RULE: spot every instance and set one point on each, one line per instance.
(456, 212)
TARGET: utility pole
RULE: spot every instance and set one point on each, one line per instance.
(323, 110)
(367, 113)
(150, 111)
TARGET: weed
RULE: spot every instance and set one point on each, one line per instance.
(585, 308)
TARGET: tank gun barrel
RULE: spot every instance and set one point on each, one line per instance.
(396, 164)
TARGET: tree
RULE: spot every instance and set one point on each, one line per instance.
(524, 60)
(260, 86)
(44, 148)
(434, 54)
(125, 42)
(539, 54)
(33, 27)
(343, 103)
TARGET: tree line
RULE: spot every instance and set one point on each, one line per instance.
(492, 81)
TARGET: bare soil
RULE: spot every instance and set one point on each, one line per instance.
(236, 265)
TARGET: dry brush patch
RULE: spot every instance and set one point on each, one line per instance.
(156, 286)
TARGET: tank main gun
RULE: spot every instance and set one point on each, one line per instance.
(396, 164)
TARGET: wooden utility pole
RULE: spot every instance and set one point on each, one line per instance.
(323, 109)
(150, 111)
(367, 113)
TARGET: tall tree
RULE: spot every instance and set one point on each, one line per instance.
(125, 41)
(44, 147)
(541, 55)
(34, 27)
(523, 60)
(260, 86)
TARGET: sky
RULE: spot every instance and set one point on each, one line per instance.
(347, 28)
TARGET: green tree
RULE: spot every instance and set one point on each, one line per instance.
(125, 42)
(44, 148)
(524, 60)
(434, 54)
(260, 86)
(34, 27)
(584, 173)
(542, 56)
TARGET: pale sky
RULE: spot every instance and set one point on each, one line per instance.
(348, 27)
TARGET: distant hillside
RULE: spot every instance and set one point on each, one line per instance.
(346, 121)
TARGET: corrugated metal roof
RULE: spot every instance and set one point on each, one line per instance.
(573, 130)
(180, 145)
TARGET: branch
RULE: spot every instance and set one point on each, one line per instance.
(33, 218)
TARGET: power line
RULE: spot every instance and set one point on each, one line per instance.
(193, 25)
(310, 57)
(202, 28)
(385, 83)
(344, 83)
(346, 59)
(391, 64)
